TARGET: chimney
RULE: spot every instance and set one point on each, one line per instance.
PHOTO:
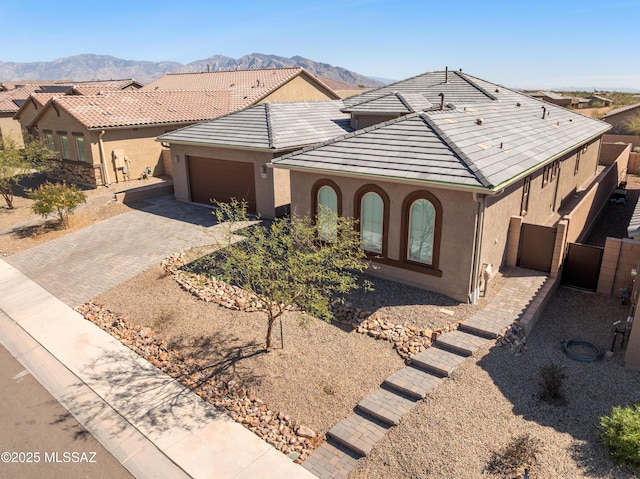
(441, 95)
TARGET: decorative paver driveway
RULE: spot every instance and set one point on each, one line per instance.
(83, 264)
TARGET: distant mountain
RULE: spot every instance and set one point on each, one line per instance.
(105, 67)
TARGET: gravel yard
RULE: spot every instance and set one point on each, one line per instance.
(495, 397)
(323, 370)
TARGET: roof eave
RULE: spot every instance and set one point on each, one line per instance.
(391, 179)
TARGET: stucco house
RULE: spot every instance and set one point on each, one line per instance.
(620, 118)
(556, 99)
(436, 170)
(106, 136)
(14, 99)
(226, 157)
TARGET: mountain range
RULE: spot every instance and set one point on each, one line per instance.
(104, 67)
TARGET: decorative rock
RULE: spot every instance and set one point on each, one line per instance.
(304, 431)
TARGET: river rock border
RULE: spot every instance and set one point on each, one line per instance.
(276, 428)
(407, 340)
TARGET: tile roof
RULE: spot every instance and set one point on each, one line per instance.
(115, 109)
(244, 87)
(456, 87)
(273, 126)
(11, 100)
(392, 103)
(550, 94)
(479, 144)
(622, 110)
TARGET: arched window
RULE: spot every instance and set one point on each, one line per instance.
(372, 210)
(371, 222)
(327, 199)
(422, 225)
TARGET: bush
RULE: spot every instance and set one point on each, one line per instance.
(518, 454)
(551, 378)
(620, 432)
(57, 199)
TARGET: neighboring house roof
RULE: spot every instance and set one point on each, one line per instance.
(337, 85)
(9, 99)
(273, 126)
(471, 144)
(622, 110)
(120, 84)
(455, 86)
(601, 98)
(245, 87)
(115, 109)
(550, 94)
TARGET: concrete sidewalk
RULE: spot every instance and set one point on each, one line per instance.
(150, 423)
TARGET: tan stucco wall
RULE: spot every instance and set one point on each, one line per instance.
(10, 128)
(632, 354)
(458, 223)
(139, 144)
(299, 89)
(620, 120)
(28, 113)
(358, 122)
(268, 199)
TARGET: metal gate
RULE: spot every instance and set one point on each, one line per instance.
(536, 247)
(582, 266)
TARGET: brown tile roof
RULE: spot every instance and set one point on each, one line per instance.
(245, 87)
(115, 109)
(8, 98)
(81, 89)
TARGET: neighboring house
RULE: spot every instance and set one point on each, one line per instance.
(248, 87)
(117, 130)
(13, 96)
(343, 89)
(556, 99)
(226, 158)
(439, 166)
(599, 101)
(621, 117)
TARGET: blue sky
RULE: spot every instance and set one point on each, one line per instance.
(541, 44)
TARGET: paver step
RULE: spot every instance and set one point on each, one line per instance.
(485, 326)
(412, 381)
(461, 342)
(331, 461)
(358, 432)
(437, 360)
(387, 406)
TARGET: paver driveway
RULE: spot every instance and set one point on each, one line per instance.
(83, 264)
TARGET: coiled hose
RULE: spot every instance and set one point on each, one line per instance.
(567, 344)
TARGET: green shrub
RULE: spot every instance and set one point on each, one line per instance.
(57, 199)
(620, 432)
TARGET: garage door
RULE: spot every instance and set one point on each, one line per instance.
(221, 180)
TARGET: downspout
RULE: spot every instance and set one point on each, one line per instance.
(481, 199)
(103, 161)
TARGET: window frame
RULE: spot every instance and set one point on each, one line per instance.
(358, 197)
(65, 151)
(432, 268)
(315, 199)
(82, 155)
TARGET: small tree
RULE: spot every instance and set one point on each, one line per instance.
(16, 163)
(620, 432)
(285, 264)
(57, 199)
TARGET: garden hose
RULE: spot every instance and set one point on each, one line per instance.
(567, 344)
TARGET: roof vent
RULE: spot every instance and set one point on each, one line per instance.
(479, 121)
(446, 76)
(518, 104)
(544, 112)
(441, 95)
(497, 90)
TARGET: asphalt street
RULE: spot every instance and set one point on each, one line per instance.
(39, 438)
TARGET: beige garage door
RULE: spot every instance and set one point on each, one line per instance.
(221, 180)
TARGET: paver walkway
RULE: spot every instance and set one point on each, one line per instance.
(83, 264)
(356, 435)
(150, 423)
